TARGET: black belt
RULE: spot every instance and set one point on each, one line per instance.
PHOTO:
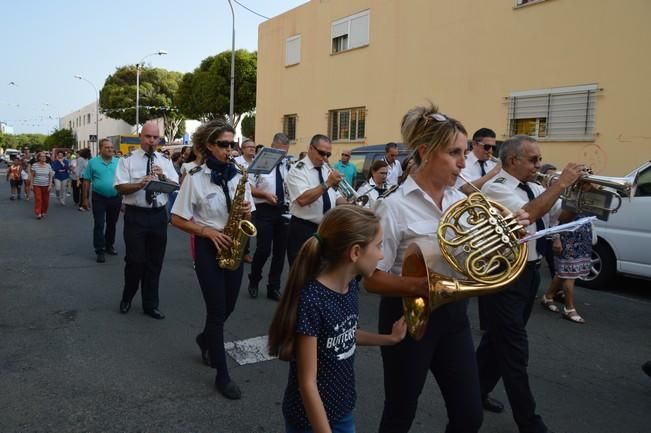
(534, 263)
(133, 208)
(303, 222)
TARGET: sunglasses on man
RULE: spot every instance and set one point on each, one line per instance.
(224, 144)
(323, 153)
(487, 147)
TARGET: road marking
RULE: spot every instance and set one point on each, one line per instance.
(249, 351)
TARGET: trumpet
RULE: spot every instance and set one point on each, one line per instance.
(347, 191)
(600, 202)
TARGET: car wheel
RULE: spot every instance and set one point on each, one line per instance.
(603, 267)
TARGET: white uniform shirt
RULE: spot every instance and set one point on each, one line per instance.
(409, 214)
(133, 168)
(368, 189)
(301, 178)
(205, 202)
(395, 171)
(503, 188)
(267, 182)
(472, 171)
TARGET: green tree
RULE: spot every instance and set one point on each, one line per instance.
(158, 89)
(205, 93)
(20, 141)
(61, 138)
(248, 126)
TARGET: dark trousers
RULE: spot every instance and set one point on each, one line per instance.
(272, 230)
(76, 191)
(145, 238)
(106, 211)
(220, 289)
(504, 348)
(447, 351)
(299, 231)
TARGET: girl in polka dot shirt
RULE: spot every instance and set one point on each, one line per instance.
(315, 325)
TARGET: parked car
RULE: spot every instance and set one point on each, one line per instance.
(363, 157)
(624, 240)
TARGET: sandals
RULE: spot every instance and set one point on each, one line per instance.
(549, 304)
(572, 316)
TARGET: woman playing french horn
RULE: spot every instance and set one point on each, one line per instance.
(202, 208)
(413, 213)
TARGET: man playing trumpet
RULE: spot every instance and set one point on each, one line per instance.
(504, 348)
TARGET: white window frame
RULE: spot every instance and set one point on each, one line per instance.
(293, 57)
(342, 29)
(524, 3)
(565, 113)
(337, 113)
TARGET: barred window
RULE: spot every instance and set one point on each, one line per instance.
(348, 124)
(565, 113)
(289, 126)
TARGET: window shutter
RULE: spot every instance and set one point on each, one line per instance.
(359, 31)
(293, 50)
(572, 114)
(339, 29)
(528, 107)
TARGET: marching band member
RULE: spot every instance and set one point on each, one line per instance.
(376, 185)
(481, 166)
(504, 348)
(202, 208)
(413, 212)
(270, 200)
(311, 192)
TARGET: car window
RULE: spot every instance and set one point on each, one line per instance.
(643, 188)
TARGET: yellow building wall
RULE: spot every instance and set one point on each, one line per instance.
(467, 56)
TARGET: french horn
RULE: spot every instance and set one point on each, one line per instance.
(480, 240)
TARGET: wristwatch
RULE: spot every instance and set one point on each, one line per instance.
(324, 186)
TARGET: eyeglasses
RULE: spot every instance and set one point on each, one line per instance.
(323, 153)
(486, 147)
(346, 154)
(225, 144)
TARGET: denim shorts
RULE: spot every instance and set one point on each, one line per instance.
(344, 425)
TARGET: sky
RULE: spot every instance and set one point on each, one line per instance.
(45, 43)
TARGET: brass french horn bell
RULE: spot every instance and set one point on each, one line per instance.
(478, 243)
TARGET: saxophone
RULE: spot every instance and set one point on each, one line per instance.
(237, 228)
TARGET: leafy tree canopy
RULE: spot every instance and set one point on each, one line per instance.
(20, 141)
(248, 126)
(205, 93)
(158, 90)
(61, 138)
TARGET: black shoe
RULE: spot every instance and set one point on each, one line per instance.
(230, 390)
(155, 313)
(100, 258)
(125, 306)
(492, 405)
(204, 348)
(646, 367)
(253, 292)
(274, 295)
(112, 251)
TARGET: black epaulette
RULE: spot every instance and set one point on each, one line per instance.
(197, 169)
(500, 180)
(300, 164)
(388, 192)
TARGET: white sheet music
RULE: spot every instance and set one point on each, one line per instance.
(568, 227)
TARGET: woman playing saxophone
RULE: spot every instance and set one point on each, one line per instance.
(207, 203)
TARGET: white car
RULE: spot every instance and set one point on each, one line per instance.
(624, 241)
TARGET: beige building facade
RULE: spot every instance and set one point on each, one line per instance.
(574, 73)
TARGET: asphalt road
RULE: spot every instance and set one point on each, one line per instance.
(69, 362)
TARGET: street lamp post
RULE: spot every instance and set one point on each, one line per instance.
(232, 101)
(138, 66)
(79, 77)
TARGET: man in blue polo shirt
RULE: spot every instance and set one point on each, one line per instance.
(106, 200)
(344, 167)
